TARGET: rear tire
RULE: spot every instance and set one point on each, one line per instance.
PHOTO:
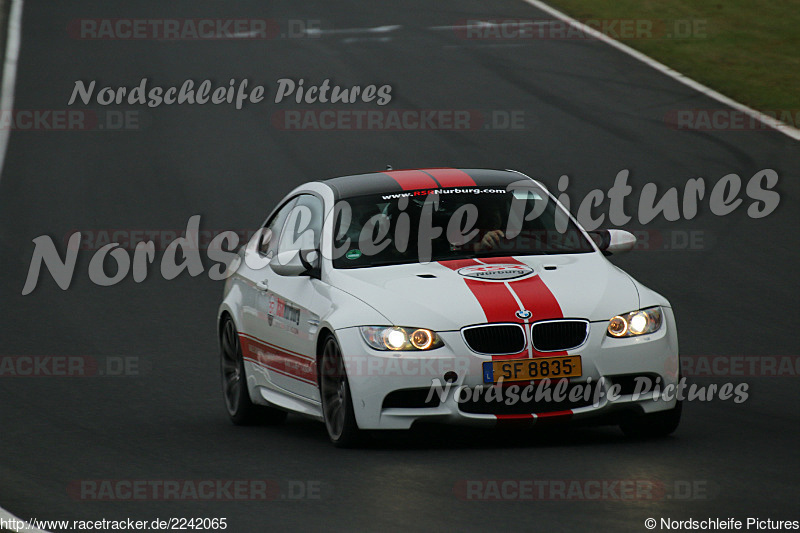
(653, 425)
(241, 410)
(337, 402)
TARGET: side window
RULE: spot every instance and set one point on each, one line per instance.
(270, 239)
(304, 225)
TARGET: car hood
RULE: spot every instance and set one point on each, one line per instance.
(449, 295)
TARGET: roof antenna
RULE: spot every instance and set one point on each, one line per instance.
(389, 167)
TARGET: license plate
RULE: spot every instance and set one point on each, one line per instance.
(565, 366)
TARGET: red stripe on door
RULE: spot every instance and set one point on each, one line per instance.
(451, 177)
(411, 180)
(279, 360)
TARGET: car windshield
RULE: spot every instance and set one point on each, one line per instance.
(444, 224)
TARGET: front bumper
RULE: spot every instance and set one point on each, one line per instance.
(375, 375)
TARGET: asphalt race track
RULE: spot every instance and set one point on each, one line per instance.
(589, 111)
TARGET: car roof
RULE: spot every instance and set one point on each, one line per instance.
(390, 181)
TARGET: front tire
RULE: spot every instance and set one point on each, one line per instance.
(337, 402)
(653, 425)
(241, 410)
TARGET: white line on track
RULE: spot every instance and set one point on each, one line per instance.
(376, 29)
(486, 24)
(475, 24)
(245, 34)
(767, 120)
(351, 40)
(10, 71)
(7, 104)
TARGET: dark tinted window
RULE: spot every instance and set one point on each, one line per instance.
(492, 220)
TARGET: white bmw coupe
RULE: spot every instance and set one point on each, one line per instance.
(446, 295)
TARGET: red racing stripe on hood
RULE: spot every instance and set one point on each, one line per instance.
(537, 299)
(532, 292)
(495, 299)
(497, 302)
(500, 305)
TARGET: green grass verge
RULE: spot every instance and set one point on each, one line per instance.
(745, 49)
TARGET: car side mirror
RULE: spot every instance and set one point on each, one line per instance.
(296, 263)
(613, 241)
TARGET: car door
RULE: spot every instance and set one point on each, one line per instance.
(287, 323)
(254, 271)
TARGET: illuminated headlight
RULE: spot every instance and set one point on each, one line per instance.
(635, 323)
(396, 338)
